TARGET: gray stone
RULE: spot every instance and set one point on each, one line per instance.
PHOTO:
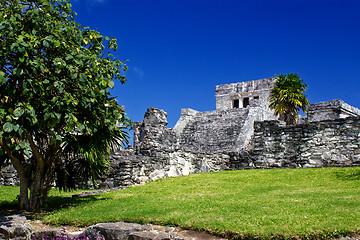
(173, 172)
(143, 236)
(112, 231)
(204, 167)
(164, 236)
(169, 229)
(22, 231)
(49, 233)
(157, 174)
(14, 226)
(356, 158)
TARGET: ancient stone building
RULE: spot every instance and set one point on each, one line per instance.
(331, 110)
(230, 127)
(241, 133)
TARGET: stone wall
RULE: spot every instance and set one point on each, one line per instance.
(8, 176)
(316, 144)
(129, 168)
(219, 130)
(159, 153)
(274, 145)
(331, 110)
(244, 93)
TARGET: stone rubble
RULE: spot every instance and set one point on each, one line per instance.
(15, 227)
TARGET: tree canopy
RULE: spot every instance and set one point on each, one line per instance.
(287, 97)
(56, 113)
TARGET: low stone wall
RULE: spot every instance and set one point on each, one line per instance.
(316, 144)
(128, 168)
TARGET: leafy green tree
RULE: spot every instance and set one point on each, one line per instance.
(56, 113)
(287, 97)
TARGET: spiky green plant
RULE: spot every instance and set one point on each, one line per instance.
(287, 97)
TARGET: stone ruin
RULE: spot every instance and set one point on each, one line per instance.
(242, 133)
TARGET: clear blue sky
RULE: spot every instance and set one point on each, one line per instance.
(179, 50)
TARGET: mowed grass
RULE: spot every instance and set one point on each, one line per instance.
(274, 203)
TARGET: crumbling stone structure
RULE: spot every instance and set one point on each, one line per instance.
(241, 133)
(331, 110)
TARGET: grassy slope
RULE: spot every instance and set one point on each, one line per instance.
(320, 202)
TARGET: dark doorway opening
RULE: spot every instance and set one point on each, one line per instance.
(236, 103)
(245, 102)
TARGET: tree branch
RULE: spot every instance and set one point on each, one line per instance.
(37, 154)
(15, 161)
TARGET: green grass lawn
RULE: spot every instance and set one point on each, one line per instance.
(279, 203)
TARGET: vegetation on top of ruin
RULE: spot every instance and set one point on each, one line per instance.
(56, 113)
(287, 97)
(316, 203)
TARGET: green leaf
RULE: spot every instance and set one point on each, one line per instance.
(68, 57)
(24, 44)
(16, 127)
(2, 77)
(57, 43)
(21, 49)
(47, 116)
(104, 83)
(42, 68)
(19, 71)
(8, 127)
(19, 112)
(27, 152)
(111, 84)
(83, 76)
(46, 44)
(74, 76)
(14, 45)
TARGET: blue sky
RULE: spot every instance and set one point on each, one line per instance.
(179, 50)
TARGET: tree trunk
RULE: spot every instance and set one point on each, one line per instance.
(39, 184)
(38, 180)
(39, 188)
(24, 183)
(24, 195)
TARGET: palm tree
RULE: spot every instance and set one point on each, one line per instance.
(287, 97)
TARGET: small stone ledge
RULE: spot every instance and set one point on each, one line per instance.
(14, 227)
(131, 231)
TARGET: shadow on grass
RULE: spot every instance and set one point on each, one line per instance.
(53, 203)
(56, 203)
(354, 175)
(9, 207)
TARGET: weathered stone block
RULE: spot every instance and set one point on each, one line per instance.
(173, 172)
(112, 231)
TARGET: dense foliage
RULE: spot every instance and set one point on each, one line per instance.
(57, 117)
(287, 97)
